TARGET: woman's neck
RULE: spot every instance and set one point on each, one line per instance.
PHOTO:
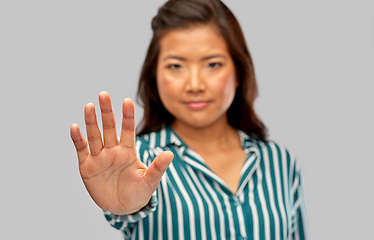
(219, 135)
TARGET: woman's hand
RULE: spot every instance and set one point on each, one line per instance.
(112, 173)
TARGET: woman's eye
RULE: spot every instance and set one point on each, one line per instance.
(214, 65)
(174, 66)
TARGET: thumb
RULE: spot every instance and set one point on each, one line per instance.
(158, 167)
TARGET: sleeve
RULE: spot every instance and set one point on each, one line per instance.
(126, 223)
(300, 226)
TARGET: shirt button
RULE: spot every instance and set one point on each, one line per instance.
(242, 238)
(236, 203)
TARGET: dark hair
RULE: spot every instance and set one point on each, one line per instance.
(176, 14)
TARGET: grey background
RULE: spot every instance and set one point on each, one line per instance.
(314, 65)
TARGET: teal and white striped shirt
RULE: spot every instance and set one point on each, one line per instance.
(192, 202)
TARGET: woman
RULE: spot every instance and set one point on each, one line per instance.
(201, 166)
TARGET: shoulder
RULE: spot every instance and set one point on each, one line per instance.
(152, 140)
(151, 144)
(144, 144)
(269, 147)
(275, 153)
(275, 148)
(278, 160)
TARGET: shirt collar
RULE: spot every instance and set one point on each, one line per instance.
(187, 155)
(246, 140)
(171, 138)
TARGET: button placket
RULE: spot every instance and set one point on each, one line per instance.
(236, 202)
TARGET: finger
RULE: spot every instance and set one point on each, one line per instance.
(93, 131)
(128, 124)
(79, 142)
(109, 122)
(158, 167)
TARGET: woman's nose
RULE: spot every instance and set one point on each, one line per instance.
(195, 82)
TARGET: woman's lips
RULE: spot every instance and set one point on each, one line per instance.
(197, 105)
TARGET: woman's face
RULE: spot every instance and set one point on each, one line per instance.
(196, 76)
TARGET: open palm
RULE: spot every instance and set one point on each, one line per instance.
(112, 173)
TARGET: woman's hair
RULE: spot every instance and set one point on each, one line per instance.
(177, 14)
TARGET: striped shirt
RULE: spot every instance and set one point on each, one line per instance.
(192, 202)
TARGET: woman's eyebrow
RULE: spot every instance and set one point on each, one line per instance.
(203, 59)
(213, 56)
(174, 57)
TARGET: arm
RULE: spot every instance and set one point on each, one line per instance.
(299, 216)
